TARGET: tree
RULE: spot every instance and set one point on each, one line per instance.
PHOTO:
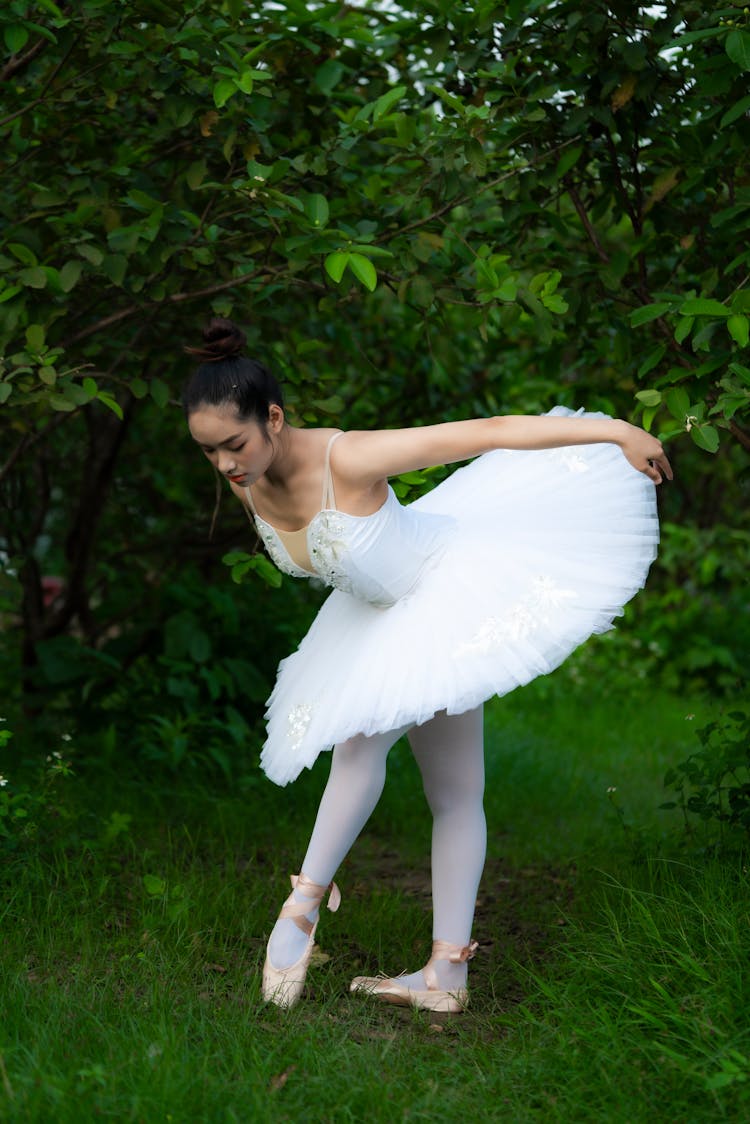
(463, 207)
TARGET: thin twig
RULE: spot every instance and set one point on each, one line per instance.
(461, 199)
(587, 224)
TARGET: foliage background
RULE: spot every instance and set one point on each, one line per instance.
(419, 214)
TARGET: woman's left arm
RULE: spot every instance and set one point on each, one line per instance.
(369, 456)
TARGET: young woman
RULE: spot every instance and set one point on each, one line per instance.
(487, 581)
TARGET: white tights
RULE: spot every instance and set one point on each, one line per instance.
(450, 754)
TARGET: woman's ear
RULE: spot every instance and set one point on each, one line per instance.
(275, 418)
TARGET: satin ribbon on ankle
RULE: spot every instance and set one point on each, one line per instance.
(444, 950)
(296, 911)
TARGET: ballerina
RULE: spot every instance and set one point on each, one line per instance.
(487, 581)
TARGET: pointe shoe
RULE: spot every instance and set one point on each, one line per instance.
(283, 986)
(432, 998)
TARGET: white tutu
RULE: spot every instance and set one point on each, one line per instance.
(537, 551)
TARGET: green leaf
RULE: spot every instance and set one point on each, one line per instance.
(196, 174)
(703, 306)
(34, 278)
(138, 387)
(737, 46)
(316, 209)
(6, 389)
(363, 270)
(648, 416)
(159, 391)
(335, 265)
(115, 266)
(328, 75)
(16, 37)
(57, 402)
(739, 109)
(678, 403)
(649, 397)
(693, 37)
(705, 437)
(475, 154)
(421, 292)
(70, 275)
(154, 887)
(35, 336)
(48, 375)
(91, 253)
(649, 312)
(10, 292)
(387, 101)
(570, 157)
(652, 360)
(741, 371)
(553, 302)
(739, 329)
(22, 253)
(223, 91)
(90, 386)
(110, 402)
(267, 571)
(684, 328)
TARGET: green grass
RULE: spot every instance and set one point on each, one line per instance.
(610, 985)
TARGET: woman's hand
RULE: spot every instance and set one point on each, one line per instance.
(646, 453)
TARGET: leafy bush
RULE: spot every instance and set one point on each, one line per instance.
(713, 784)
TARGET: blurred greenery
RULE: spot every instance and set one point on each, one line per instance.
(451, 210)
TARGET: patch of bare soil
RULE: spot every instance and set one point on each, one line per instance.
(520, 917)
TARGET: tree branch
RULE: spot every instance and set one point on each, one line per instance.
(586, 221)
(461, 199)
(16, 63)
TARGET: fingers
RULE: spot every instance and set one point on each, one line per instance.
(657, 468)
(665, 466)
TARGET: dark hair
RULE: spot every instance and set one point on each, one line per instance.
(227, 376)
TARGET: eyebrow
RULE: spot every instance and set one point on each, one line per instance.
(226, 441)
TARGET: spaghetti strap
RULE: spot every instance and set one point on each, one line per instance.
(250, 503)
(328, 499)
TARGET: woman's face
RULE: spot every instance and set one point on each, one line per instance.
(240, 450)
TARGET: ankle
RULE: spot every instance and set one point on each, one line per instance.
(447, 968)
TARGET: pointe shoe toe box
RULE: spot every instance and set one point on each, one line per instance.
(391, 991)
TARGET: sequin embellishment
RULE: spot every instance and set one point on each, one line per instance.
(527, 615)
(298, 720)
(328, 549)
(573, 461)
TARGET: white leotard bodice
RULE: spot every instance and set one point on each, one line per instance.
(376, 558)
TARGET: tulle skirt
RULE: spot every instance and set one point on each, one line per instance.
(543, 549)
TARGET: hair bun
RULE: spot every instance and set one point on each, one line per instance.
(222, 339)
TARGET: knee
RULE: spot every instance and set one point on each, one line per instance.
(464, 794)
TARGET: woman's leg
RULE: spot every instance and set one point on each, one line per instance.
(449, 750)
(353, 789)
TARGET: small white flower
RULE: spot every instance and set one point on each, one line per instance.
(612, 788)
(66, 737)
(3, 781)
(689, 717)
